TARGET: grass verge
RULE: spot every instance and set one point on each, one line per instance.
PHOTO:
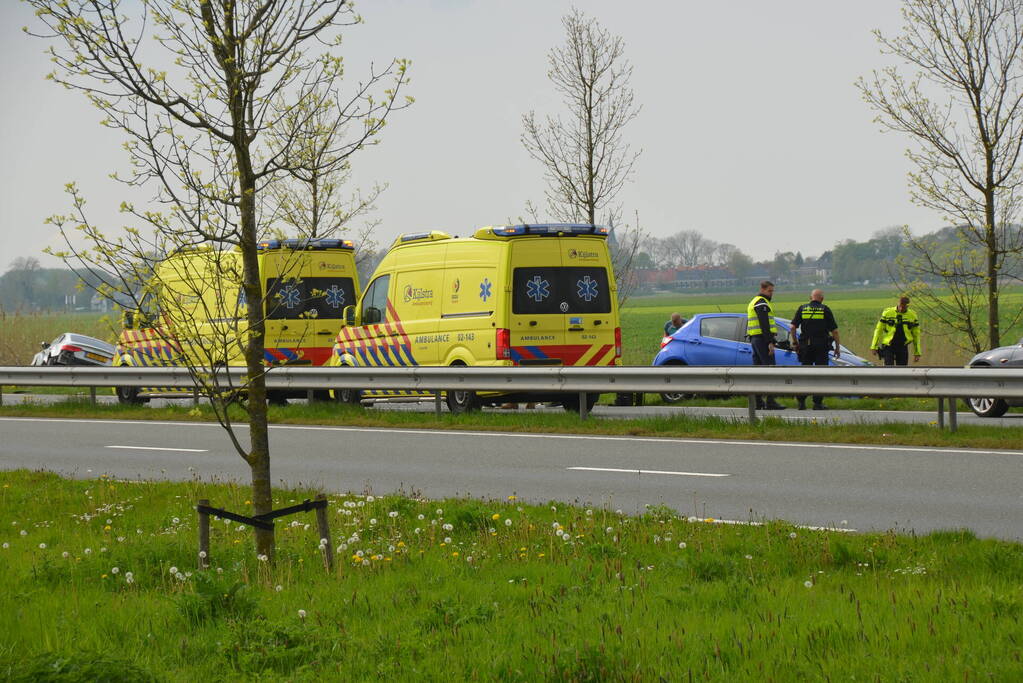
(768, 429)
(100, 584)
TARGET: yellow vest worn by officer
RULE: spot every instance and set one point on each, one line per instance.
(889, 322)
(753, 322)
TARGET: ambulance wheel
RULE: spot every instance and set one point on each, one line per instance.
(129, 396)
(571, 404)
(351, 396)
(463, 401)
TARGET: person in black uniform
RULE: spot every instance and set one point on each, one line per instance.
(818, 335)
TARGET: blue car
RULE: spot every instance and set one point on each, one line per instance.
(720, 339)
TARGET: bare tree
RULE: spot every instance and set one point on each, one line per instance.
(687, 248)
(196, 87)
(584, 154)
(967, 55)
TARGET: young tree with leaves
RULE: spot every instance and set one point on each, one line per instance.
(198, 88)
(963, 108)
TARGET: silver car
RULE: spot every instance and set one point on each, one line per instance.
(1002, 357)
(74, 349)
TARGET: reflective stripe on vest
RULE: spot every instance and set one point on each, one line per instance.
(753, 322)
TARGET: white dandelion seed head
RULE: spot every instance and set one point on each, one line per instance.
(42, 546)
(447, 539)
(589, 513)
(792, 534)
(23, 532)
(448, 527)
(420, 516)
(609, 530)
(365, 563)
(65, 554)
(361, 503)
(372, 521)
(278, 588)
(343, 546)
(115, 570)
(173, 570)
(619, 512)
(808, 584)
(507, 522)
(103, 550)
(110, 521)
(359, 553)
(262, 558)
(370, 499)
(749, 557)
(566, 537)
(468, 558)
(174, 520)
(179, 576)
(682, 545)
(692, 518)
(439, 511)
(202, 554)
(128, 576)
(6, 546)
(129, 579)
(301, 614)
(392, 514)
(88, 551)
(417, 530)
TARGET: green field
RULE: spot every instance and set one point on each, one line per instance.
(856, 312)
(20, 333)
(100, 583)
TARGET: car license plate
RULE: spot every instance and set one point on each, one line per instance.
(96, 357)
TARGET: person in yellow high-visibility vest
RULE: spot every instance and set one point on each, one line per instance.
(762, 330)
(897, 328)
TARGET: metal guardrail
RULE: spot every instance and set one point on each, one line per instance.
(939, 383)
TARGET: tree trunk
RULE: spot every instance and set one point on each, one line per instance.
(991, 241)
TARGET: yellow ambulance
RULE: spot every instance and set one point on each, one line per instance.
(515, 295)
(194, 310)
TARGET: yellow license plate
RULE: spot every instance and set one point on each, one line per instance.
(96, 357)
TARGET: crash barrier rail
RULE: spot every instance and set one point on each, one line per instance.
(939, 383)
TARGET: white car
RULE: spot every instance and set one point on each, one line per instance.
(74, 349)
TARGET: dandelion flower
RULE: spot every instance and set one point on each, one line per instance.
(448, 527)
(174, 520)
(392, 514)
(421, 516)
(6, 546)
(179, 576)
(792, 534)
(323, 542)
(173, 570)
(202, 554)
(496, 516)
(65, 554)
(372, 521)
(507, 522)
(301, 614)
(693, 519)
(454, 554)
(513, 497)
(609, 530)
(439, 511)
(110, 521)
(23, 532)
(416, 530)
(359, 553)
(682, 545)
(370, 499)
(808, 584)
(556, 525)
(262, 558)
(88, 551)
(447, 539)
(589, 513)
(220, 570)
(390, 548)
(365, 563)
(278, 588)
(42, 546)
(128, 576)
(115, 570)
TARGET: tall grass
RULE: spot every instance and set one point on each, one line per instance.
(483, 590)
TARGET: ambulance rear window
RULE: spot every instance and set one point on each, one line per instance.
(310, 297)
(560, 290)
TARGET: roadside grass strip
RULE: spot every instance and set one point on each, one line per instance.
(101, 583)
(676, 427)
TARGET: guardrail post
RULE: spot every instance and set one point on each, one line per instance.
(582, 405)
(204, 534)
(324, 528)
(953, 415)
(92, 395)
(1, 394)
(195, 397)
(941, 413)
(436, 403)
(752, 408)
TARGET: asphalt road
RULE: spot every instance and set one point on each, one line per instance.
(856, 487)
(965, 416)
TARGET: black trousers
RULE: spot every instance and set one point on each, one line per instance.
(761, 356)
(895, 355)
(814, 352)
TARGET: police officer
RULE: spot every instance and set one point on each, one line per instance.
(762, 330)
(818, 334)
(897, 328)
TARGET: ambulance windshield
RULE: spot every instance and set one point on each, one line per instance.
(309, 297)
(560, 290)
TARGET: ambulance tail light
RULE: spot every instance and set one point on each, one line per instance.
(618, 342)
(69, 347)
(503, 345)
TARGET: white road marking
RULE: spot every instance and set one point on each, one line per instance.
(680, 474)
(586, 437)
(158, 448)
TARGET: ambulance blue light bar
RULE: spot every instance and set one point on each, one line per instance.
(307, 244)
(551, 229)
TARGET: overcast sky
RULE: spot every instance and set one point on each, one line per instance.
(752, 130)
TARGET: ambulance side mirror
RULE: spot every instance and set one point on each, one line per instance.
(349, 313)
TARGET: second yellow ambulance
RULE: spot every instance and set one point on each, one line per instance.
(508, 295)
